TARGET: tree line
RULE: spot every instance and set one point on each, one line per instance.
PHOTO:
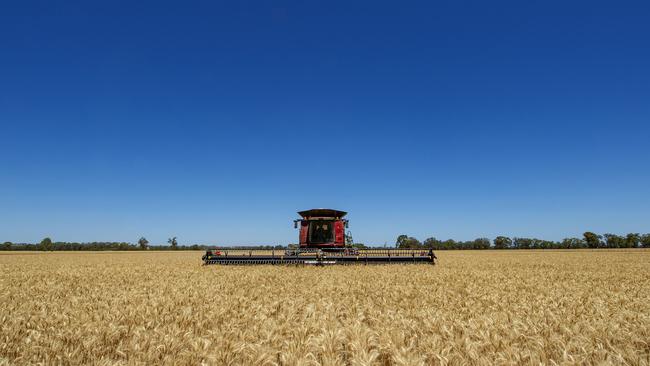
(142, 244)
(588, 240)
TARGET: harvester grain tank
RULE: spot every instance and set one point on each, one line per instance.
(321, 241)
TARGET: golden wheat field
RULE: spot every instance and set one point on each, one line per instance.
(474, 307)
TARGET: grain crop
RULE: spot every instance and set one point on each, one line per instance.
(473, 307)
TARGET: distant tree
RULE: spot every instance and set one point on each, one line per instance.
(413, 243)
(359, 246)
(645, 240)
(432, 243)
(502, 242)
(6, 245)
(143, 243)
(449, 244)
(572, 243)
(592, 240)
(632, 240)
(522, 243)
(481, 243)
(461, 244)
(46, 244)
(614, 241)
(566, 243)
(400, 240)
(537, 244)
(173, 243)
(409, 242)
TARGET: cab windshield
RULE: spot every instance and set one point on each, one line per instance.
(321, 231)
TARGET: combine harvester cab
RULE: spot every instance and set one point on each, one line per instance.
(321, 242)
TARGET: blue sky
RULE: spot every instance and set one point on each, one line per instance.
(216, 122)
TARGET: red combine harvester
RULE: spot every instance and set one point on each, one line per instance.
(322, 241)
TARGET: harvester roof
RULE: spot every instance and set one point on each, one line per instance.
(322, 212)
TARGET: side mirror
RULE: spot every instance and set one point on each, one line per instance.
(346, 223)
(295, 224)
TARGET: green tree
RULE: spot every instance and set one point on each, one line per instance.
(502, 242)
(645, 240)
(481, 243)
(400, 240)
(572, 243)
(173, 243)
(7, 245)
(46, 244)
(614, 241)
(538, 244)
(410, 242)
(432, 243)
(143, 242)
(449, 244)
(592, 240)
(522, 243)
(632, 240)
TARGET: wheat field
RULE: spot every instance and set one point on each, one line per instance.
(474, 307)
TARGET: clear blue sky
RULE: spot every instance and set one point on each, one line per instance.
(217, 121)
